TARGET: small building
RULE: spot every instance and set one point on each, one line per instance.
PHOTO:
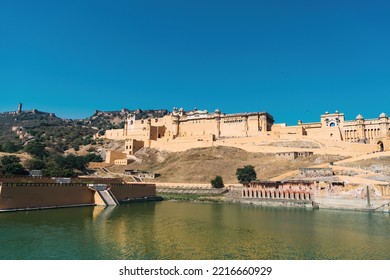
(290, 190)
(141, 174)
(35, 173)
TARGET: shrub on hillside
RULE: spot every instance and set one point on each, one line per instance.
(217, 182)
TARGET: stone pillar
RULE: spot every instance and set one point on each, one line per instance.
(244, 125)
(217, 115)
(175, 126)
(263, 123)
(384, 125)
(360, 127)
(148, 128)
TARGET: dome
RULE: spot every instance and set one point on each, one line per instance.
(383, 115)
(359, 117)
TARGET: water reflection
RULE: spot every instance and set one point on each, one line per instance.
(182, 230)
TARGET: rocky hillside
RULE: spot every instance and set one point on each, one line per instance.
(116, 119)
(54, 132)
(61, 134)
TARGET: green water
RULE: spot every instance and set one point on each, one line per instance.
(185, 230)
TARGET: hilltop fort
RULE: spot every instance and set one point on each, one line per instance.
(182, 130)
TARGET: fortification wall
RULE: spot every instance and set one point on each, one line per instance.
(287, 131)
(254, 125)
(233, 127)
(115, 134)
(182, 144)
(21, 197)
(326, 133)
(197, 127)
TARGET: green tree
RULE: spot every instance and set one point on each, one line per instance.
(10, 165)
(217, 182)
(36, 149)
(246, 174)
(7, 160)
(53, 170)
(10, 147)
(93, 157)
(35, 164)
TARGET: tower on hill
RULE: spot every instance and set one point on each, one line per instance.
(19, 108)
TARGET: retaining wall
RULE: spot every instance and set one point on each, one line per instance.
(25, 197)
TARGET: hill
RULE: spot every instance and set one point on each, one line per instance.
(61, 134)
(200, 165)
(56, 133)
(115, 119)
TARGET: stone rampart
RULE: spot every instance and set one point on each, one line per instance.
(25, 196)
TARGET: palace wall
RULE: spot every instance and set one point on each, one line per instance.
(115, 134)
(325, 133)
(184, 130)
(197, 127)
(282, 131)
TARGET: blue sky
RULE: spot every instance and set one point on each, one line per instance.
(293, 59)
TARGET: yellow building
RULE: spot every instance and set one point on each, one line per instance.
(333, 126)
(195, 125)
(189, 129)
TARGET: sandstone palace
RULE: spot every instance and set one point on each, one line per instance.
(181, 130)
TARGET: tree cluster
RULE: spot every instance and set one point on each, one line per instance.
(11, 166)
(56, 164)
(246, 174)
(52, 164)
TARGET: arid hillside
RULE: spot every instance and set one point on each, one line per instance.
(203, 164)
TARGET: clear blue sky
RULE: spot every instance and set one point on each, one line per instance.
(293, 59)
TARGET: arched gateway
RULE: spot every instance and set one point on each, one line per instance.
(381, 146)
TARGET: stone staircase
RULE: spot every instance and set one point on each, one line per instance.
(108, 198)
(103, 195)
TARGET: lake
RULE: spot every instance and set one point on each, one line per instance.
(171, 230)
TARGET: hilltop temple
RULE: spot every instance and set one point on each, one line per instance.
(197, 128)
